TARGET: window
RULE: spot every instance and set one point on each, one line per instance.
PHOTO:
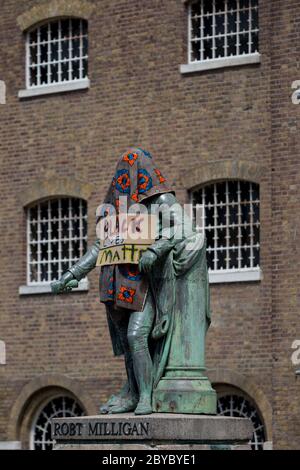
(238, 406)
(59, 407)
(57, 57)
(222, 32)
(232, 229)
(57, 238)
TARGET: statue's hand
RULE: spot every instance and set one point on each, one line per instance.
(147, 261)
(65, 284)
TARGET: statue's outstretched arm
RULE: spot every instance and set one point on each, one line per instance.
(78, 271)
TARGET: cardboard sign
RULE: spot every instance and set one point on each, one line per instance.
(125, 239)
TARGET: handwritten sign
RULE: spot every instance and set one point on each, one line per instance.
(124, 240)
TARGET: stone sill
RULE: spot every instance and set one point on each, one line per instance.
(249, 275)
(220, 63)
(10, 445)
(51, 89)
(46, 289)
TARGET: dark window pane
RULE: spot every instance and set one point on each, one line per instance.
(65, 229)
(54, 30)
(207, 6)
(44, 272)
(54, 250)
(220, 27)
(231, 27)
(245, 232)
(33, 76)
(85, 45)
(221, 259)
(221, 232)
(254, 40)
(33, 253)
(245, 191)
(233, 215)
(233, 236)
(33, 54)
(33, 273)
(255, 212)
(65, 32)
(209, 214)
(221, 191)
(207, 44)
(65, 250)
(44, 251)
(75, 27)
(220, 5)
(231, 41)
(75, 249)
(244, 44)
(254, 17)
(210, 238)
(233, 191)
(233, 259)
(54, 51)
(54, 73)
(54, 277)
(207, 23)
(33, 36)
(75, 48)
(65, 49)
(44, 33)
(221, 215)
(256, 257)
(65, 71)
(84, 25)
(220, 51)
(256, 238)
(195, 51)
(84, 68)
(196, 28)
(245, 253)
(210, 259)
(44, 53)
(244, 20)
(232, 5)
(209, 195)
(244, 3)
(44, 78)
(245, 213)
(75, 72)
(195, 8)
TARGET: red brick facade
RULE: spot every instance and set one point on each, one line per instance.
(226, 121)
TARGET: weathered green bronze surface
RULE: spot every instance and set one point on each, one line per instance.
(163, 342)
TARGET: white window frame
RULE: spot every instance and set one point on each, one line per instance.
(220, 62)
(60, 86)
(44, 287)
(246, 274)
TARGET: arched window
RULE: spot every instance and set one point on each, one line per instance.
(57, 53)
(232, 229)
(239, 406)
(222, 33)
(56, 236)
(58, 407)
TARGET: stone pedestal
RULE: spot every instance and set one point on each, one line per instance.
(151, 432)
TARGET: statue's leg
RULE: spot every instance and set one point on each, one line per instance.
(139, 328)
(127, 399)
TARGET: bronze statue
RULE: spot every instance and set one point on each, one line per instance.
(158, 311)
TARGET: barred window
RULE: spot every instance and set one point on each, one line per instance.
(222, 28)
(57, 238)
(239, 406)
(232, 225)
(57, 52)
(57, 407)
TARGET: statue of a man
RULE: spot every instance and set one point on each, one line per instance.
(148, 302)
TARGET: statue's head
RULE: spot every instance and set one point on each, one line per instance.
(136, 178)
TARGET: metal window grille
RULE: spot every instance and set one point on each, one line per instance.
(59, 407)
(56, 236)
(57, 52)
(238, 406)
(232, 224)
(222, 28)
